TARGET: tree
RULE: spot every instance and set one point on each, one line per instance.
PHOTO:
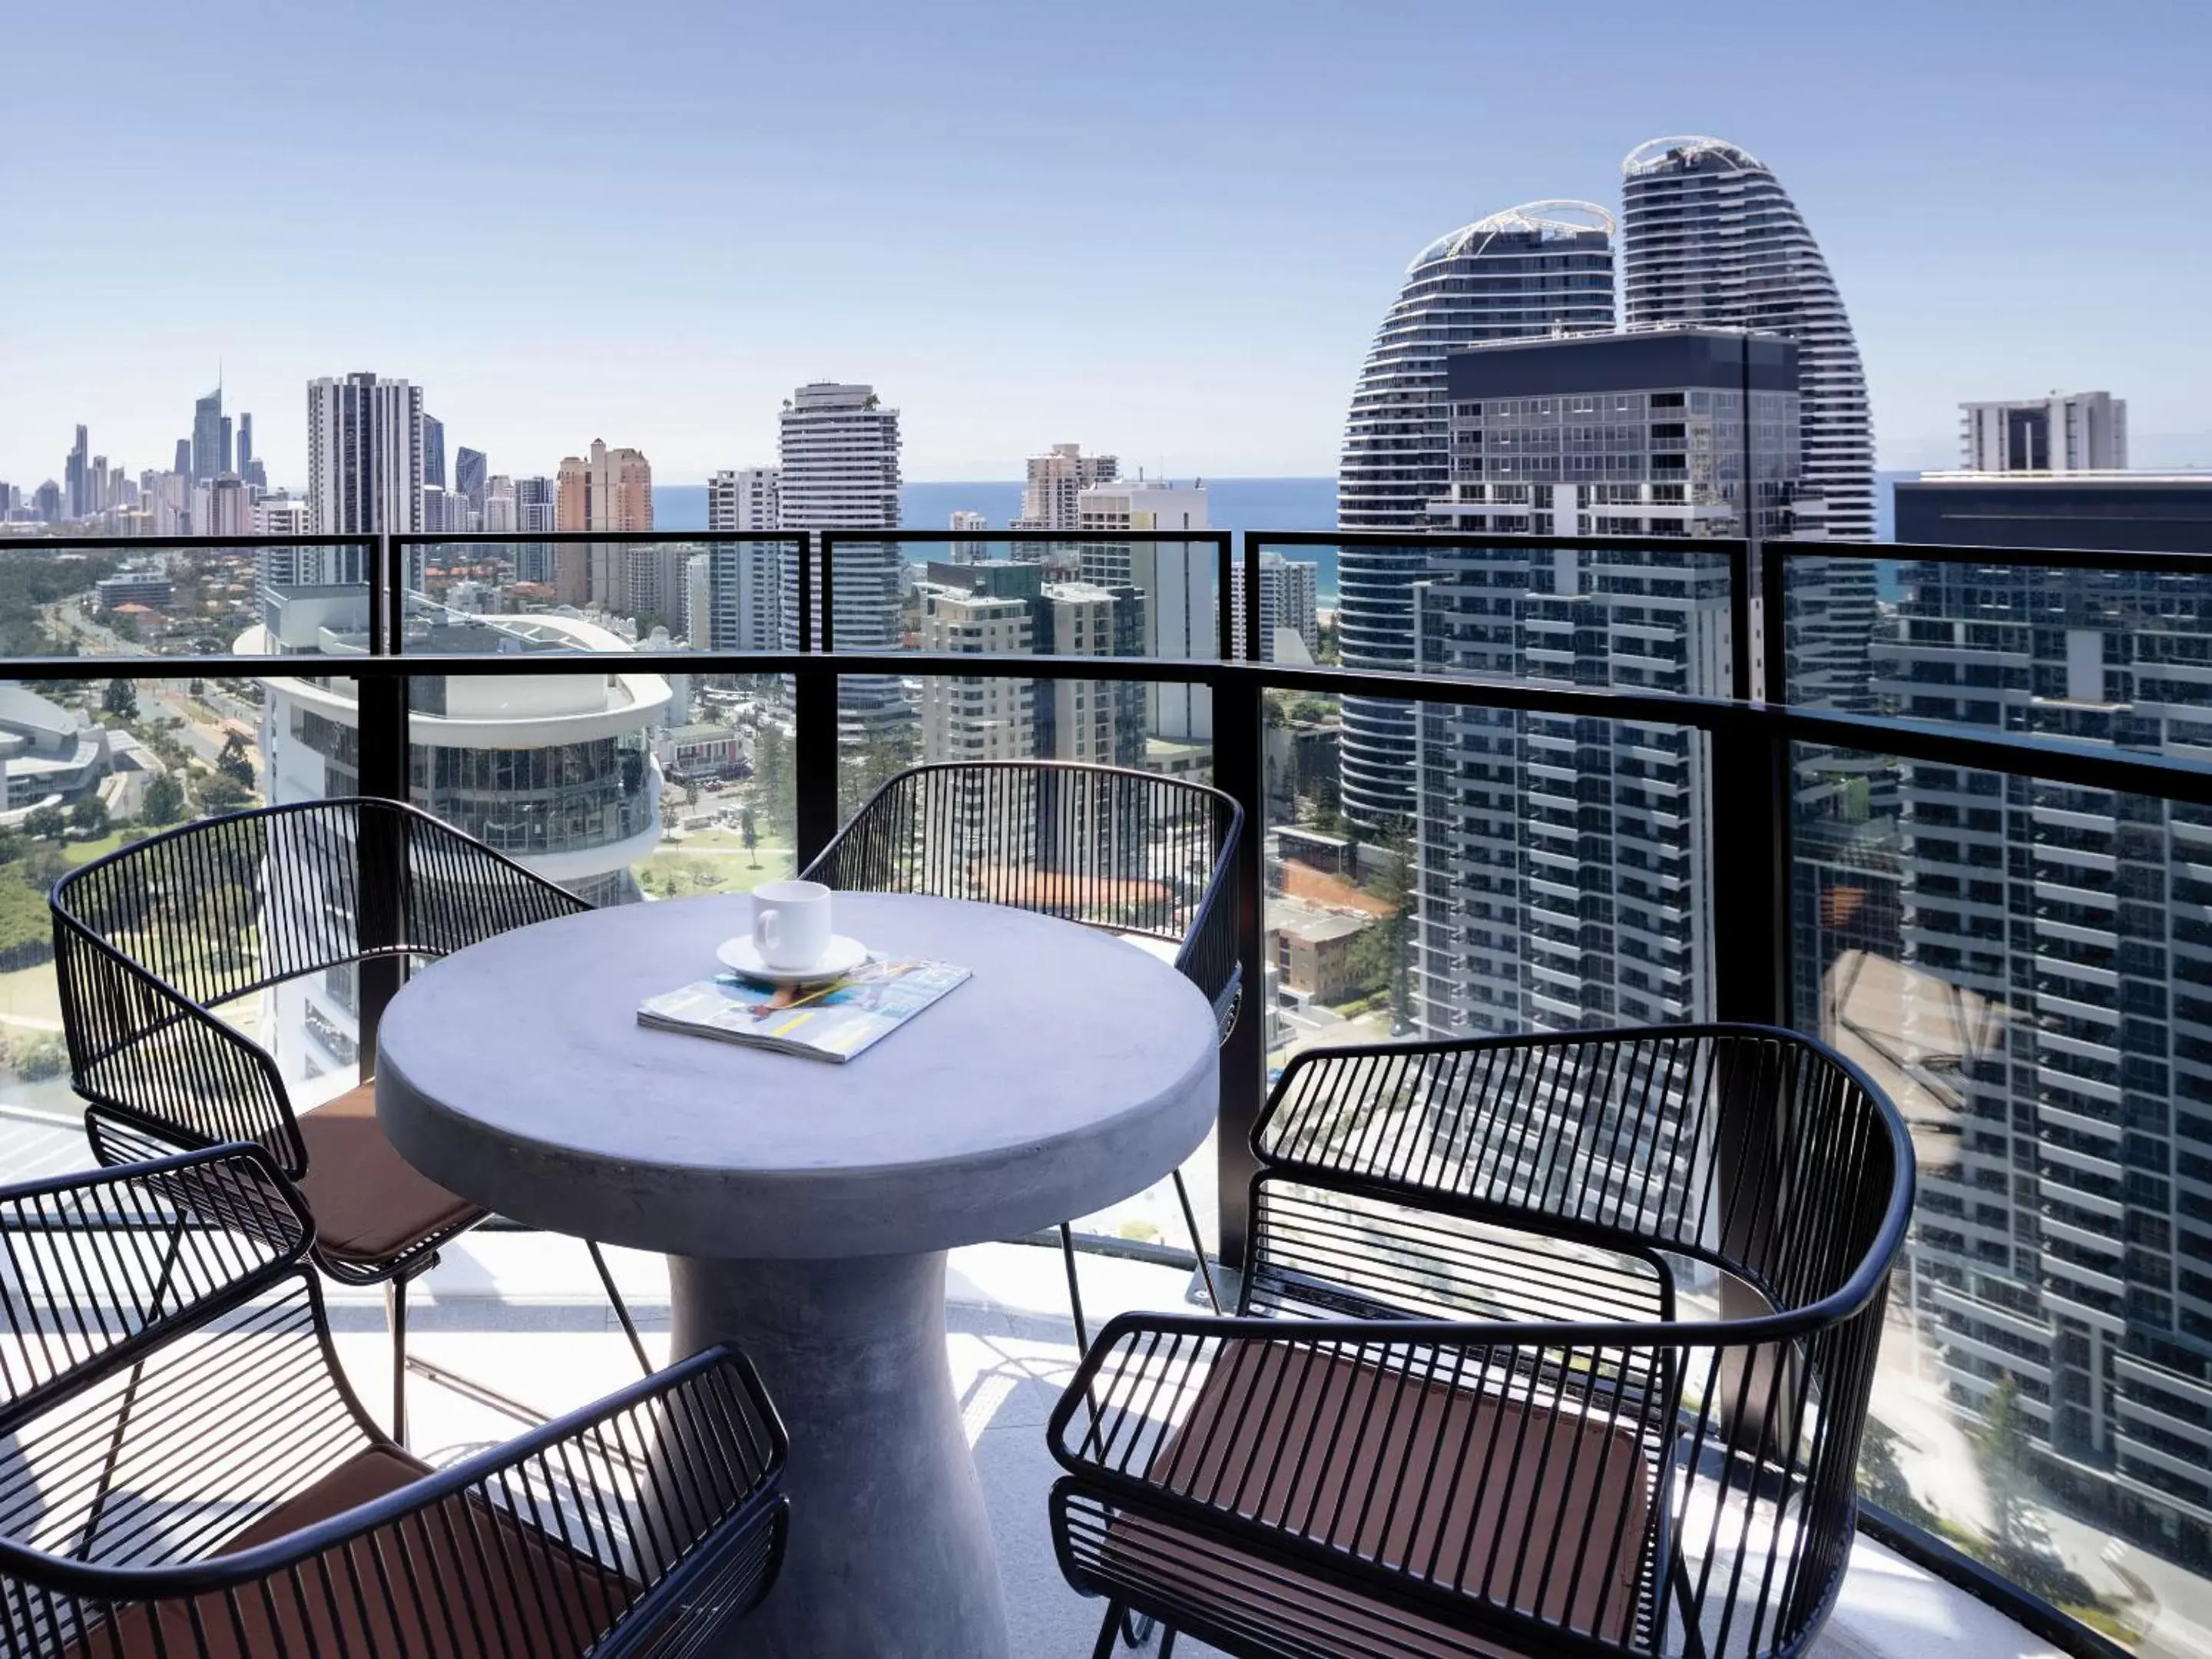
(2001, 1438)
(775, 786)
(14, 846)
(749, 833)
(121, 699)
(165, 800)
(690, 791)
(223, 794)
(232, 764)
(48, 823)
(89, 817)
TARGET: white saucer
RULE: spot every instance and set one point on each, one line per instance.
(843, 955)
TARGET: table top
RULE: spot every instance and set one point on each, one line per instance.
(1072, 1070)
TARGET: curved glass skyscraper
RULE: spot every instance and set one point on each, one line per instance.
(1708, 237)
(1541, 268)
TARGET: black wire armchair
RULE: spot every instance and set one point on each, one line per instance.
(151, 942)
(184, 1473)
(1132, 852)
(1554, 1344)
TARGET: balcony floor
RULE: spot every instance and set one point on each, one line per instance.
(521, 1314)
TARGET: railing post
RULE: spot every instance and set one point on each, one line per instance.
(381, 753)
(1240, 771)
(1748, 807)
(814, 712)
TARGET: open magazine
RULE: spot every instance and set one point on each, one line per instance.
(831, 1022)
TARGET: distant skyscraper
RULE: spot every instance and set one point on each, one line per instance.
(245, 445)
(433, 451)
(747, 498)
(977, 718)
(1056, 479)
(47, 502)
(223, 449)
(1178, 579)
(838, 454)
(1523, 818)
(184, 467)
(744, 579)
(76, 476)
(1708, 237)
(537, 505)
(605, 489)
(364, 464)
(1289, 601)
(446, 512)
(208, 457)
(2066, 432)
(224, 507)
(1530, 271)
(469, 472)
(499, 514)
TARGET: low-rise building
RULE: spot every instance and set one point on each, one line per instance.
(148, 588)
(1312, 949)
(703, 750)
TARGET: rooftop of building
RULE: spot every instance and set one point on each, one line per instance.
(1312, 923)
(2199, 478)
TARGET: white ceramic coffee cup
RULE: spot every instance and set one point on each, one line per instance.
(791, 922)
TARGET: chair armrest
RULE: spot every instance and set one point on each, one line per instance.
(557, 1537)
(97, 1269)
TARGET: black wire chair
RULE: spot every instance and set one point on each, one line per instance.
(151, 941)
(1548, 1345)
(186, 1474)
(1131, 853)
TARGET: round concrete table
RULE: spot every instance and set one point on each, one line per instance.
(806, 1206)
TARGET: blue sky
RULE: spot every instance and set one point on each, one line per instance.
(1167, 230)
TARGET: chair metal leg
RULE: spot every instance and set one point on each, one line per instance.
(1074, 1289)
(1109, 1633)
(395, 1314)
(1197, 1242)
(622, 1310)
(1167, 1642)
(1137, 1629)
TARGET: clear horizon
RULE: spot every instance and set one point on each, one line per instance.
(1172, 241)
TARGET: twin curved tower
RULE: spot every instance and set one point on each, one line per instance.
(1707, 237)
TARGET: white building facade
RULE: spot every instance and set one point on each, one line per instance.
(2066, 432)
(555, 770)
(838, 450)
(745, 498)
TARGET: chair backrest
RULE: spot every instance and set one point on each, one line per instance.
(149, 939)
(1757, 1150)
(1687, 1229)
(1102, 845)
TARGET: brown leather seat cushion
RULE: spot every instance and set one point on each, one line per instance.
(369, 1204)
(1479, 1495)
(427, 1594)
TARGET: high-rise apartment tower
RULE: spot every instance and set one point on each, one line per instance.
(1543, 269)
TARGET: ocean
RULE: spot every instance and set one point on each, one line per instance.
(1233, 503)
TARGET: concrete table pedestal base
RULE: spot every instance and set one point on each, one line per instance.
(890, 1549)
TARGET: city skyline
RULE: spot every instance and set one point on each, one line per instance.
(991, 333)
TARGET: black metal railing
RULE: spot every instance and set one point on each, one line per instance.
(1749, 735)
